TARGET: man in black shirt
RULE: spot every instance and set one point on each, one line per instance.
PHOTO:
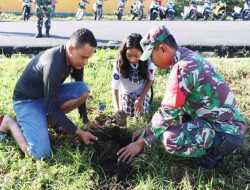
(39, 94)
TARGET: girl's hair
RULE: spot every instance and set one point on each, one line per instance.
(132, 41)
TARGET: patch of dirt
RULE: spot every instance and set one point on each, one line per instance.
(111, 138)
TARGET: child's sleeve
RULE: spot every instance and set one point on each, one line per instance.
(180, 84)
(115, 77)
(151, 71)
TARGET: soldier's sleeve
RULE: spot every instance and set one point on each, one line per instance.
(180, 84)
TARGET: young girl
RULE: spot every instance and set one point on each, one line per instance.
(132, 78)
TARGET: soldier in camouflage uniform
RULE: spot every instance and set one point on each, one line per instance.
(44, 9)
(197, 91)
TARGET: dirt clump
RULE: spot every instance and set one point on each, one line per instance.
(119, 119)
(111, 138)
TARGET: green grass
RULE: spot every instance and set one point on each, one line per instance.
(70, 165)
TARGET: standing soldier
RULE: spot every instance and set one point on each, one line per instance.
(44, 8)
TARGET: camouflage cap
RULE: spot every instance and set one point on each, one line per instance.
(153, 38)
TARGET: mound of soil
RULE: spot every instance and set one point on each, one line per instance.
(111, 138)
(118, 120)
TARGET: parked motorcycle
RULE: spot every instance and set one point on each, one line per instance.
(204, 11)
(26, 9)
(166, 12)
(170, 12)
(154, 10)
(219, 10)
(136, 9)
(243, 13)
(120, 9)
(190, 12)
(98, 9)
(81, 10)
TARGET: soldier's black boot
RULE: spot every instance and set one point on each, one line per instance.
(210, 161)
(224, 144)
(39, 34)
(47, 33)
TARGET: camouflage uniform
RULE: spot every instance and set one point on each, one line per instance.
(44, 9)
(197, 90)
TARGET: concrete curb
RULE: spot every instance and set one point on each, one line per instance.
(221, 51)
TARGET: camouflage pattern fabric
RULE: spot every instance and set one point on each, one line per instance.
(197, 89)
(44, 9)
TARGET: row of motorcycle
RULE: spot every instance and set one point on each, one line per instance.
(194, 11)
(214, 11)
(136, 10)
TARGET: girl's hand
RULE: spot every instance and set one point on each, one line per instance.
(130, 151)
(139, 106)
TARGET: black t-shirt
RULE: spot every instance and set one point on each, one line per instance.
(43, 77)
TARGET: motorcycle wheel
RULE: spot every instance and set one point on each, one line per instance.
(170, 16)
(28, 14)
(95, 15)
(99, 14)
(193, 16)
(25, 14)
(140, 15)
(222, 15)
(79, 13)
(246, 15)
(152, 16)
(234, 17)
(206, 16)
(119, 16)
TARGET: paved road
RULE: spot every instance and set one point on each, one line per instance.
(201, 33)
